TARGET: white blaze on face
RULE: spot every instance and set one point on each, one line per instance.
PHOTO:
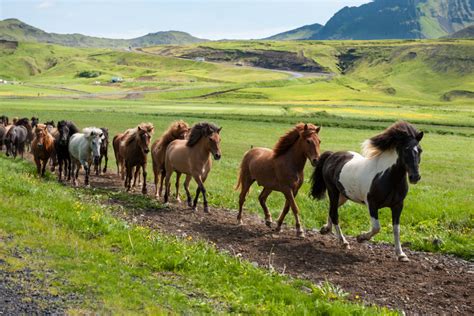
(358, 173)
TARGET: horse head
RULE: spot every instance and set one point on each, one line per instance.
(409, 153)
(64, 133)
(95, 136)
(144, 134)
(214, 141)
(41, 133)
(34, 121)
(181, 130)
(310, 141)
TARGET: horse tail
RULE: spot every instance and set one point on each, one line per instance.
(318, 186)
(243, 172)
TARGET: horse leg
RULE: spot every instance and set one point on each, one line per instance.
(169, 172)
(106, 158)
(196, 198)
(178, 175)
(128, 176)
(38, 166)
(262, 198)
(162, 179)
(60, 169)
(87, 171)
(327, 228)
(396, 212)
(291, 200)
(202, 189)
(144, 189)
(136, 175)
(282, 216)
(186, 188)
(45, 162)
(374, 218)
(334, 216)
(245, 187)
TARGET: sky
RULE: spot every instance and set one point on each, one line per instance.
(210, 19)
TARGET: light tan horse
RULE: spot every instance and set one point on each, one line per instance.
(133, 150)
(42, 147)
(193, 158)
(177, 130)
(280, 169)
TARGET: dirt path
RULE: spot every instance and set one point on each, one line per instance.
(428, 284)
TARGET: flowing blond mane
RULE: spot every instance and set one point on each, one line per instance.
(131, 134)
(172, 133)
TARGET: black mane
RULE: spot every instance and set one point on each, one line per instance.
(398, 134)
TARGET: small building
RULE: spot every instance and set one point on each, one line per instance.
(116, 79)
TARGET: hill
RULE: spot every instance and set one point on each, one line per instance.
(392, 19)
(16, 30)
(301, 33)
(467, 32)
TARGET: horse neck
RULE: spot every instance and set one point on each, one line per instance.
(202, 150)
(296, 156)
(392, 161)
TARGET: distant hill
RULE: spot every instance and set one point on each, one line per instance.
(467, 32)
(395, 19)
(13, 29)
(301, 33)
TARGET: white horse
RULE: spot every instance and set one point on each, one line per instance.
(84, 149)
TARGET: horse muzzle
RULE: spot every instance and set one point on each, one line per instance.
(96, 160)
(314, 162)
(217, 156)
(40, 146)
(414, 178)
(146, 150)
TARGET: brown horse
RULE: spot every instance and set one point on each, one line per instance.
(42, 147)
(193, 158)
(280, 169)
(177, 130)
(116, 141)
(133, 150)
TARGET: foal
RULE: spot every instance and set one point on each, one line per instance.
(193, 158)
(280, 169)
(177, 130)
(378, 179)
(42, 147)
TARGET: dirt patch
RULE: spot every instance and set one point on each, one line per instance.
(428, 284)
(270, 59)
(456, 94)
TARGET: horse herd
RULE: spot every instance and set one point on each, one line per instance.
(377, 178)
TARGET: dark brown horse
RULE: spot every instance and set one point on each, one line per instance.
(104, 148)
(133, 150)
(177, 130)
(42, 147)
(280, 169)
(61, 144)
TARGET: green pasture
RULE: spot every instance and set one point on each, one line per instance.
(439, 207)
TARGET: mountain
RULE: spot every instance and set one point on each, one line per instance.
(16, 30)
(467, 32)
(391, 19)
(301, 33)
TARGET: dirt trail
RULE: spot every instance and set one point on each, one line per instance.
(428, 284)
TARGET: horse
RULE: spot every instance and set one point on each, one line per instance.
(61, 145)
(30, 135)
(42, 147)
(177, 130)
(104, 148)
(84, 148)
(34, 121)
(116, 141)
(193, 158)
(378, 179)
(3, 132)
(15, 140)
(280, 169)
(133, 149)
(4, 120)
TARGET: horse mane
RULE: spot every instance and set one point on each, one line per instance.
(72, 127)
(129, 137)
(199, 130)
(290, 138)
(400, 132)
(89, 130)
(23, 121)
(168, 136)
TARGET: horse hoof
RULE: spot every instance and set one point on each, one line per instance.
(269, 223)
(277, 229)
(300, 234)
(144, 192)
(194, 208)
(403, 258)
(206, 209)
(361, 239)
(178, 200)
(190, 204)
(324, 230)
(240, 222)
(346, 245)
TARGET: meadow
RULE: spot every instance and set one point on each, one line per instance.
(424, 82)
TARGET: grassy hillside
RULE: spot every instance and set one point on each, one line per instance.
(301, 33)
(467, 32)
(16, 30)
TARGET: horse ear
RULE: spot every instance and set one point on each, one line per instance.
(139, 128)
(219, 130)
(318, 128)
(419, 136)
(306, 127)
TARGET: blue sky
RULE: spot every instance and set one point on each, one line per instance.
(212, 19)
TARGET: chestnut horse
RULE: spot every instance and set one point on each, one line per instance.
(177, 130)
(42, 147)
(193, 158)
(280, 169)
(133, 150)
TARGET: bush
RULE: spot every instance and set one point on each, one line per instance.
(88, 74)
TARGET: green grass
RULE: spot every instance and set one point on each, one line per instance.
(440, 206)
(121, 269)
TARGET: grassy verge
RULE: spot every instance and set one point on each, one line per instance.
(120, 268)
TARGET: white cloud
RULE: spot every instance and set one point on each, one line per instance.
(44, 4)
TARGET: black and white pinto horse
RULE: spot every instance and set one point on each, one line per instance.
(377, 179)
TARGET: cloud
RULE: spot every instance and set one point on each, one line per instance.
(44, 4)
